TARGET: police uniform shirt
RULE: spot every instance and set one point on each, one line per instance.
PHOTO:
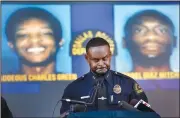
(119, 87)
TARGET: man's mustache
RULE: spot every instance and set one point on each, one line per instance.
(155, 42)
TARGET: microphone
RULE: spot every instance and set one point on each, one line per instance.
(133, 102)
(80, 106)
(77, 106)
(124, 105)
(74, 101)
(96, 85)
(142, 105)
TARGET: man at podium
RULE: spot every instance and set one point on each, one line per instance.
(101, 88)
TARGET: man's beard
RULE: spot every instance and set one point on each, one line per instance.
(149, 60)
(50, 59)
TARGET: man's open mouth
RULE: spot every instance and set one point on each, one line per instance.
(151, 46)
(35, 50)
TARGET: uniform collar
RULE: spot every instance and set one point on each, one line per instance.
(107, 76)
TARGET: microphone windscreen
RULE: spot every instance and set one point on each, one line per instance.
(133, 102)
(124, 105)
(78, 108)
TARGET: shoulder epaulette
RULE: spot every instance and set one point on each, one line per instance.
(82, 77)
(121, 75)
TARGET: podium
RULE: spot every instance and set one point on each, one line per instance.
(113, 114)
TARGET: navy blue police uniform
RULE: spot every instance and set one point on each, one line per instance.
(119, 87)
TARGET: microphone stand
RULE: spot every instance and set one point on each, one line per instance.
(95, 90)
(94, 94)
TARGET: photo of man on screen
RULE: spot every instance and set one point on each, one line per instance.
(150, 40)
(35, 35)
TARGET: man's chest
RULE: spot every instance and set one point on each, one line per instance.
(114, 93)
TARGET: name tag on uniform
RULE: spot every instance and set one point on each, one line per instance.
(85, 97)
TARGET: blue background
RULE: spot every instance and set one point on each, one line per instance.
(38, 99)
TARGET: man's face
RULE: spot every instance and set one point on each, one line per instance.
(152, 38)
(99, 59)
(34, 41)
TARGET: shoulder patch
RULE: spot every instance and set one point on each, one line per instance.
(137, 88)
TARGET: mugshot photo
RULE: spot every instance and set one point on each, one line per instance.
(36, 39)
(147, 38)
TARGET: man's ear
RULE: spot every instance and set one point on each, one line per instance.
(11, 45)
(86, 57)
(61, 42)
(110, 53)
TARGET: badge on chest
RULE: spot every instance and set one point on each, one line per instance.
(117, 89)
